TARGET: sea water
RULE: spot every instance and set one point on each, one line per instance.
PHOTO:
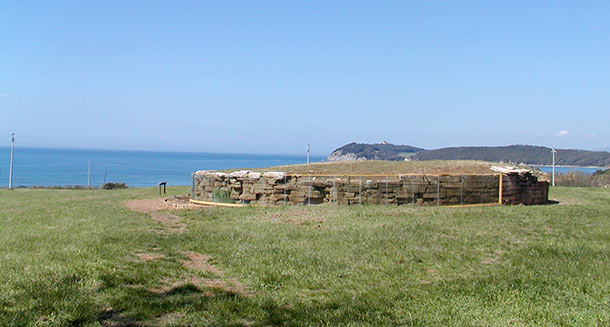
(563, 170)
(61, 167)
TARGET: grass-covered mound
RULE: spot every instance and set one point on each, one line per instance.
(388, 167)
(82, 258)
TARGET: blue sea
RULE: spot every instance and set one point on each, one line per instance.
(61, 167)
(563, 170)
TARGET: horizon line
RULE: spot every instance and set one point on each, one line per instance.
(158, 151)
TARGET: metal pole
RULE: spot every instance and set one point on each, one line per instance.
(192, 186)
(360, 191)
(413, 189)
(89, 176)
(462, 189)
(10, 169)
(285, 186)
(335, 189)
(481, 188)
(387, 196)
(553, 151)
(309, 192)
(105, 174)
(438, 191)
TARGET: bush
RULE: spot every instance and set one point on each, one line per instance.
(57, 187)
(222, 196)
(114, 186)
(576, 178)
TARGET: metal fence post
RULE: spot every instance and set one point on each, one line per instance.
(461, 189)
(347, 189)
(285, 186)
(309, 191)
(387, 197)
(481, 187)
(360, 191)
(438, 191)
(192, 185)
(413, 189)
(335, 189)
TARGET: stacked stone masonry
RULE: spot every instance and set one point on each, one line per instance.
(279, 188)
(524, 189)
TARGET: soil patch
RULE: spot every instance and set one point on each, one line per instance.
(200, 262)
(168, 203)
(149, 256)
(199, 285)
(157, 210)
(493, 258)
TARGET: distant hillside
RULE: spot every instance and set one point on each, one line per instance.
(528, 154)
(380, 151)
(533, 155)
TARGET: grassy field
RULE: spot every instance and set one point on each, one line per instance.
(81, 258)
(388, 167)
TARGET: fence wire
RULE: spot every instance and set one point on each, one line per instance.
(312, 189)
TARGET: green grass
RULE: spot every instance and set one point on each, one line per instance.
(221, 196)
(387, 167)
(67, 258)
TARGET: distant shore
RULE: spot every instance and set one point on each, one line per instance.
(570, 166)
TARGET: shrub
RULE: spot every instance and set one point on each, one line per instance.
(222, 196)
(114, 186)
(575, 178)
(57, 187)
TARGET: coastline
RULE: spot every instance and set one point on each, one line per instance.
(569, 166)
(56, 167)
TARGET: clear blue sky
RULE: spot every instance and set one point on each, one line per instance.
(270, 77)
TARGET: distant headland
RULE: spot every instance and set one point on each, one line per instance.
(527, 154)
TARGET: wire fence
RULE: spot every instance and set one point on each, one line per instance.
(313, 189)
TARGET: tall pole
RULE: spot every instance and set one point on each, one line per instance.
(553, 151)
(307, 153)
(10, 169)
(89, 176)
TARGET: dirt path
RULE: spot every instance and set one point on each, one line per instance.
(157, 210)
(203, 276)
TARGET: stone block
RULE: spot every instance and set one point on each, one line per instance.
(247, 196)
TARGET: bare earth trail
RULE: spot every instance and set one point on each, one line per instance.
(159, 211)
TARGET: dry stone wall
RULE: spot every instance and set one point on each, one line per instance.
(524, 189)
(279, 188)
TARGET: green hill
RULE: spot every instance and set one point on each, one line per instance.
(528, 154)
(534, 155)
(379, 151)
